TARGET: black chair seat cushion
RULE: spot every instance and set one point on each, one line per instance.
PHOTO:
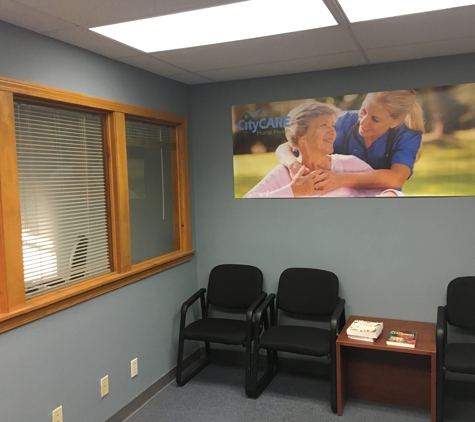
(460, 357)
(297, 339)
(217, 330)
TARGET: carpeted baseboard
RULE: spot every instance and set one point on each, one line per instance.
(139, 401)
(313, 367)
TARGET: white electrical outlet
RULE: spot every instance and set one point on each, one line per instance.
(134, 367)
(105, 386)
(58, 414)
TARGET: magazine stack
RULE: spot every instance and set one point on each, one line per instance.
(364, 330)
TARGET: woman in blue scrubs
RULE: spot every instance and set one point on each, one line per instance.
(386, 133)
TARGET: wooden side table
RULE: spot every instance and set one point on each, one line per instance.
(376, 371)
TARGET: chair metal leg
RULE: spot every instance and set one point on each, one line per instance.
(333, 392)
(439, 408)
(248, 374)
(258, 385)
(179, 363)
(179, 367)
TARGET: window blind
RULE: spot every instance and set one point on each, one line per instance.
(147, 135)
(62, 196)
(149, 163)
(150, 136)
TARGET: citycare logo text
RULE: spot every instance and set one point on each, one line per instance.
(260, 123)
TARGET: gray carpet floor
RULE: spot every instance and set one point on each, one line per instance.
(217, 395)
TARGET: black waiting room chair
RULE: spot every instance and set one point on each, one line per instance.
(231, 287)
(459, 312)
(307, 294)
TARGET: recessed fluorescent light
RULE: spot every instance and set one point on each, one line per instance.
(232, 22)
(365, 10)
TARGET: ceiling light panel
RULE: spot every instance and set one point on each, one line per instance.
(232, 22)
(365, 10)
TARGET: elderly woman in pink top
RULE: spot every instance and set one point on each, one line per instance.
(312, 132)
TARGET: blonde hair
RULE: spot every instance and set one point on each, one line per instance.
(399, 104)
(302, 116)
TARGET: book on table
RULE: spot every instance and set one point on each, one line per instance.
(364, 330)
(362, 338)
(402, 338)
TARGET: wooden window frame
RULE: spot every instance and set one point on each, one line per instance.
(15, 309)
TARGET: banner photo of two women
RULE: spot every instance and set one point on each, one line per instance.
(402, 143)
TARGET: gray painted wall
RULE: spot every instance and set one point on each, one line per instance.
(60, 359)
(394, 257)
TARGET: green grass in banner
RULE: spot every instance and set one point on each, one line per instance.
(249, 169)
(446, 168)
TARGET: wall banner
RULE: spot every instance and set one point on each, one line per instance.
(405, 143)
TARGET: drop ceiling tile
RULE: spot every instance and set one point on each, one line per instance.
(90, 13)
(422, 50)
(91, 41)
(29, 18)
(412, 29)
(276, 48)
(151, 64)
(393, 39)
(286, 67)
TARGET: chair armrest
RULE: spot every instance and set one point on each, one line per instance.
(441, 329)
(200, 294)
(255, 304)
(337, 320)
(269, 301)
(192, 299)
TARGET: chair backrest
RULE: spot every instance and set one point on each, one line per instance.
(307, 291)
(461, 302)
(234, 286)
